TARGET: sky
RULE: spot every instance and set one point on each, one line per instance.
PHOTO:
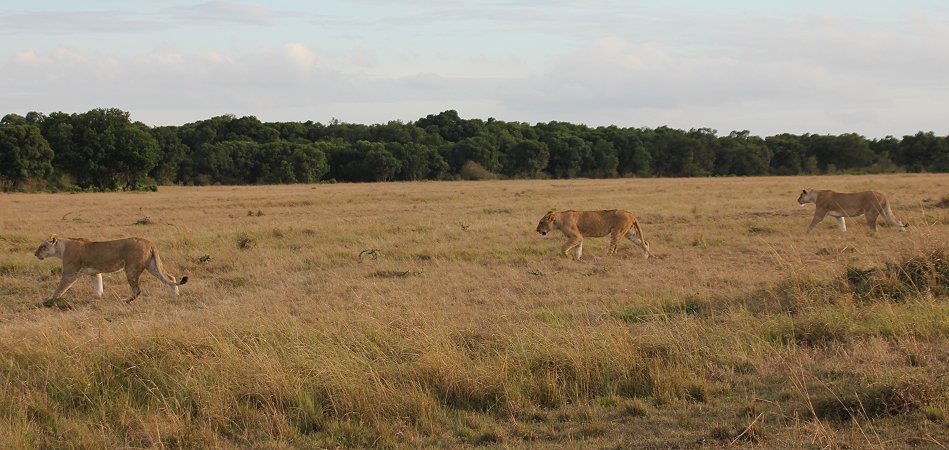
(873, 67)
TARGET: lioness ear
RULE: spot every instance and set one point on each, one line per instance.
(52, 239)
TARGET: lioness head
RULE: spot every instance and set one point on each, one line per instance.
(807, 197)
(47, 248)
(546, 224)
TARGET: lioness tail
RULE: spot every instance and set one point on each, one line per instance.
(156, 269)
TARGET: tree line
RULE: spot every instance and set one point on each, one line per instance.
(103, 149)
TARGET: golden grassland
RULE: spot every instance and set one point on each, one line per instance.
(432, 315)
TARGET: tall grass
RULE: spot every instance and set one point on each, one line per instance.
(464, 328)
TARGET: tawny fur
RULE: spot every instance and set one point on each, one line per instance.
(576, 225)
(842, 204)
(82, 256)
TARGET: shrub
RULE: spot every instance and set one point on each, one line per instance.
(927, 273)
(474, 171)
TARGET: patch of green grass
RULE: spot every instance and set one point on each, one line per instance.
(12, 268)
(756, 229)
(396, 273)
(815, 328)
(635, 407)
(702, 241)
(934, 413)
(873, 398)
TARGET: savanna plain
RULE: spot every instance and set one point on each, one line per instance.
(408, 315)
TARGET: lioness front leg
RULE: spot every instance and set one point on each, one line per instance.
(572, 241)
(97, 284)
(64, 284)
(817, 219)
(842, 223)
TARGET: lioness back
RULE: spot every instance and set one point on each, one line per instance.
(602, 223)
(107, 253)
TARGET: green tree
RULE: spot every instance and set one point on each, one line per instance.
(13, 119)
(135, 154)
(379, 164)
(24, 155)
(742, 154)
(309, 163)
(174, 155)
(705, 151)
(677, 154)
(567, 153)
(602, 160)
(229, 162)
(197, 134)
(418, 161)
(632, 156)
(923, 151)
(247, 128)
(361, 161)
(788, 154)
(478, 149)
(846, 151)
(344, 159)
(449, 126)
(57, 129)
(103, 148)
(526, 159)
(640, 161)
(289, 162)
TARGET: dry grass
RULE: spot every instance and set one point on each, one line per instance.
(431, 315)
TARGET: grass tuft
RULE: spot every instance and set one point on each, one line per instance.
(245, 241)
(912, 276)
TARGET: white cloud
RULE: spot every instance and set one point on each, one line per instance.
(72, 22)
(298, 55)
(215, 11)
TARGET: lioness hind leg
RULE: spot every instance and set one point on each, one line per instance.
(614, 243)
(132, 278)
(888, 216)
(641, 243)
(578, 252)
(872, 219)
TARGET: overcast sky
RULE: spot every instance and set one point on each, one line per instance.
(874, 67)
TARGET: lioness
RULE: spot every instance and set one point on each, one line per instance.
(842, 204)
(82, 256)
(577, 224)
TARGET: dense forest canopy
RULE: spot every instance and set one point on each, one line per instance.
(104, 150)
